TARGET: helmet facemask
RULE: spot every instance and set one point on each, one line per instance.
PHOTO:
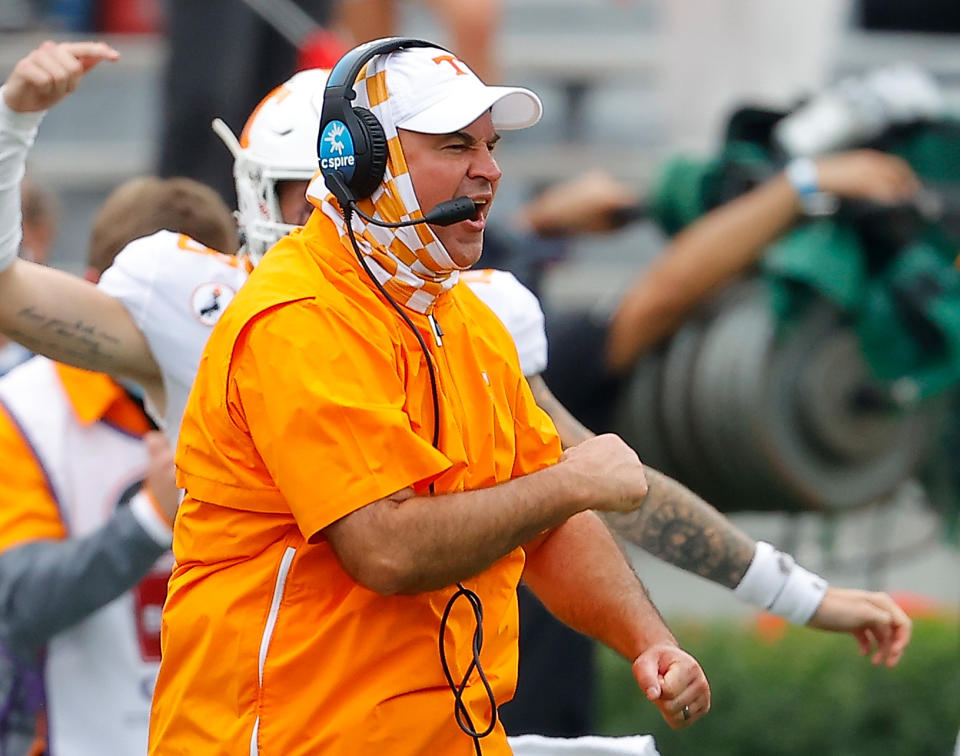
(278, 143)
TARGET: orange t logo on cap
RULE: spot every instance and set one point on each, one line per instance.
(452, 61)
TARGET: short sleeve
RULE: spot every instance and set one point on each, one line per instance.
(28, 509)
(518, 309)
(323, 402)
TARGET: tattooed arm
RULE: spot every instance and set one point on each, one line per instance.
(677, 526)
(50, 312)
(674, 524)
(70, 320)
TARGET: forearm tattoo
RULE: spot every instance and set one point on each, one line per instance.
(68, 341)
(677, 526)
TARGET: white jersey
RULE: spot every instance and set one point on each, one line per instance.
(518, 309)
(175, 289)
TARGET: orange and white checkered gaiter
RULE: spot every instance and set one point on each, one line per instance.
(410, 263)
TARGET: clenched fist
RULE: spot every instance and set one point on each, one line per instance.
(608, 472)
(674, 682)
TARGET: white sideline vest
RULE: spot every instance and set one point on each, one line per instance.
(99, 674)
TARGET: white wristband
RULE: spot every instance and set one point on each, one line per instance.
(802, 175)
(800, 597)
(17, 133)
(775, 582)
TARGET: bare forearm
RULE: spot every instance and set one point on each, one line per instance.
(708, 254)
(583, 578)
(69, 320)
(677, 526)
(423, 543)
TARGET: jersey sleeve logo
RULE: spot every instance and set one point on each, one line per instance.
(209, 300)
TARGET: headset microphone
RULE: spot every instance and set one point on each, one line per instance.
(445, 214)
(452, 211)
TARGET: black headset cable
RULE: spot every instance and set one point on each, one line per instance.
(461, 712)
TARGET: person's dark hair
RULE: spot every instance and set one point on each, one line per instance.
(143, 206)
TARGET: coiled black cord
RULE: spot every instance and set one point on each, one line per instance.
(461, 714)
(460, 710)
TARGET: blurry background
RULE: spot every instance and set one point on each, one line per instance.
(627, 84)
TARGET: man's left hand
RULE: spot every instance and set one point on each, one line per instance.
(674, 682)
(874, 619)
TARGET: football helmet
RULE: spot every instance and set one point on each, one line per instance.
(278, 143)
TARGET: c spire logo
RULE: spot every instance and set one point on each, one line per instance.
(332, 138)
(335, 148)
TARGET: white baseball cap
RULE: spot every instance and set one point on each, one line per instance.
(434, 92)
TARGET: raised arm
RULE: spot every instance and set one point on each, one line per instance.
(48, 311)
(726, 241)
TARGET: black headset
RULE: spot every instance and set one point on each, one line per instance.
(351, 145)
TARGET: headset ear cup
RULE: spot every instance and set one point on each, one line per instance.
(364, 182)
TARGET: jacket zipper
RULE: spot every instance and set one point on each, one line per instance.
(437, 330)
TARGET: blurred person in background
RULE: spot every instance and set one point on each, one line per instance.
(591, 355)
(152, 312)
(711, 548)
(39, 229)
(88, 500)
(40, 214)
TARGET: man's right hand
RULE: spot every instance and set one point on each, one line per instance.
(608, 471)
(49, 73)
